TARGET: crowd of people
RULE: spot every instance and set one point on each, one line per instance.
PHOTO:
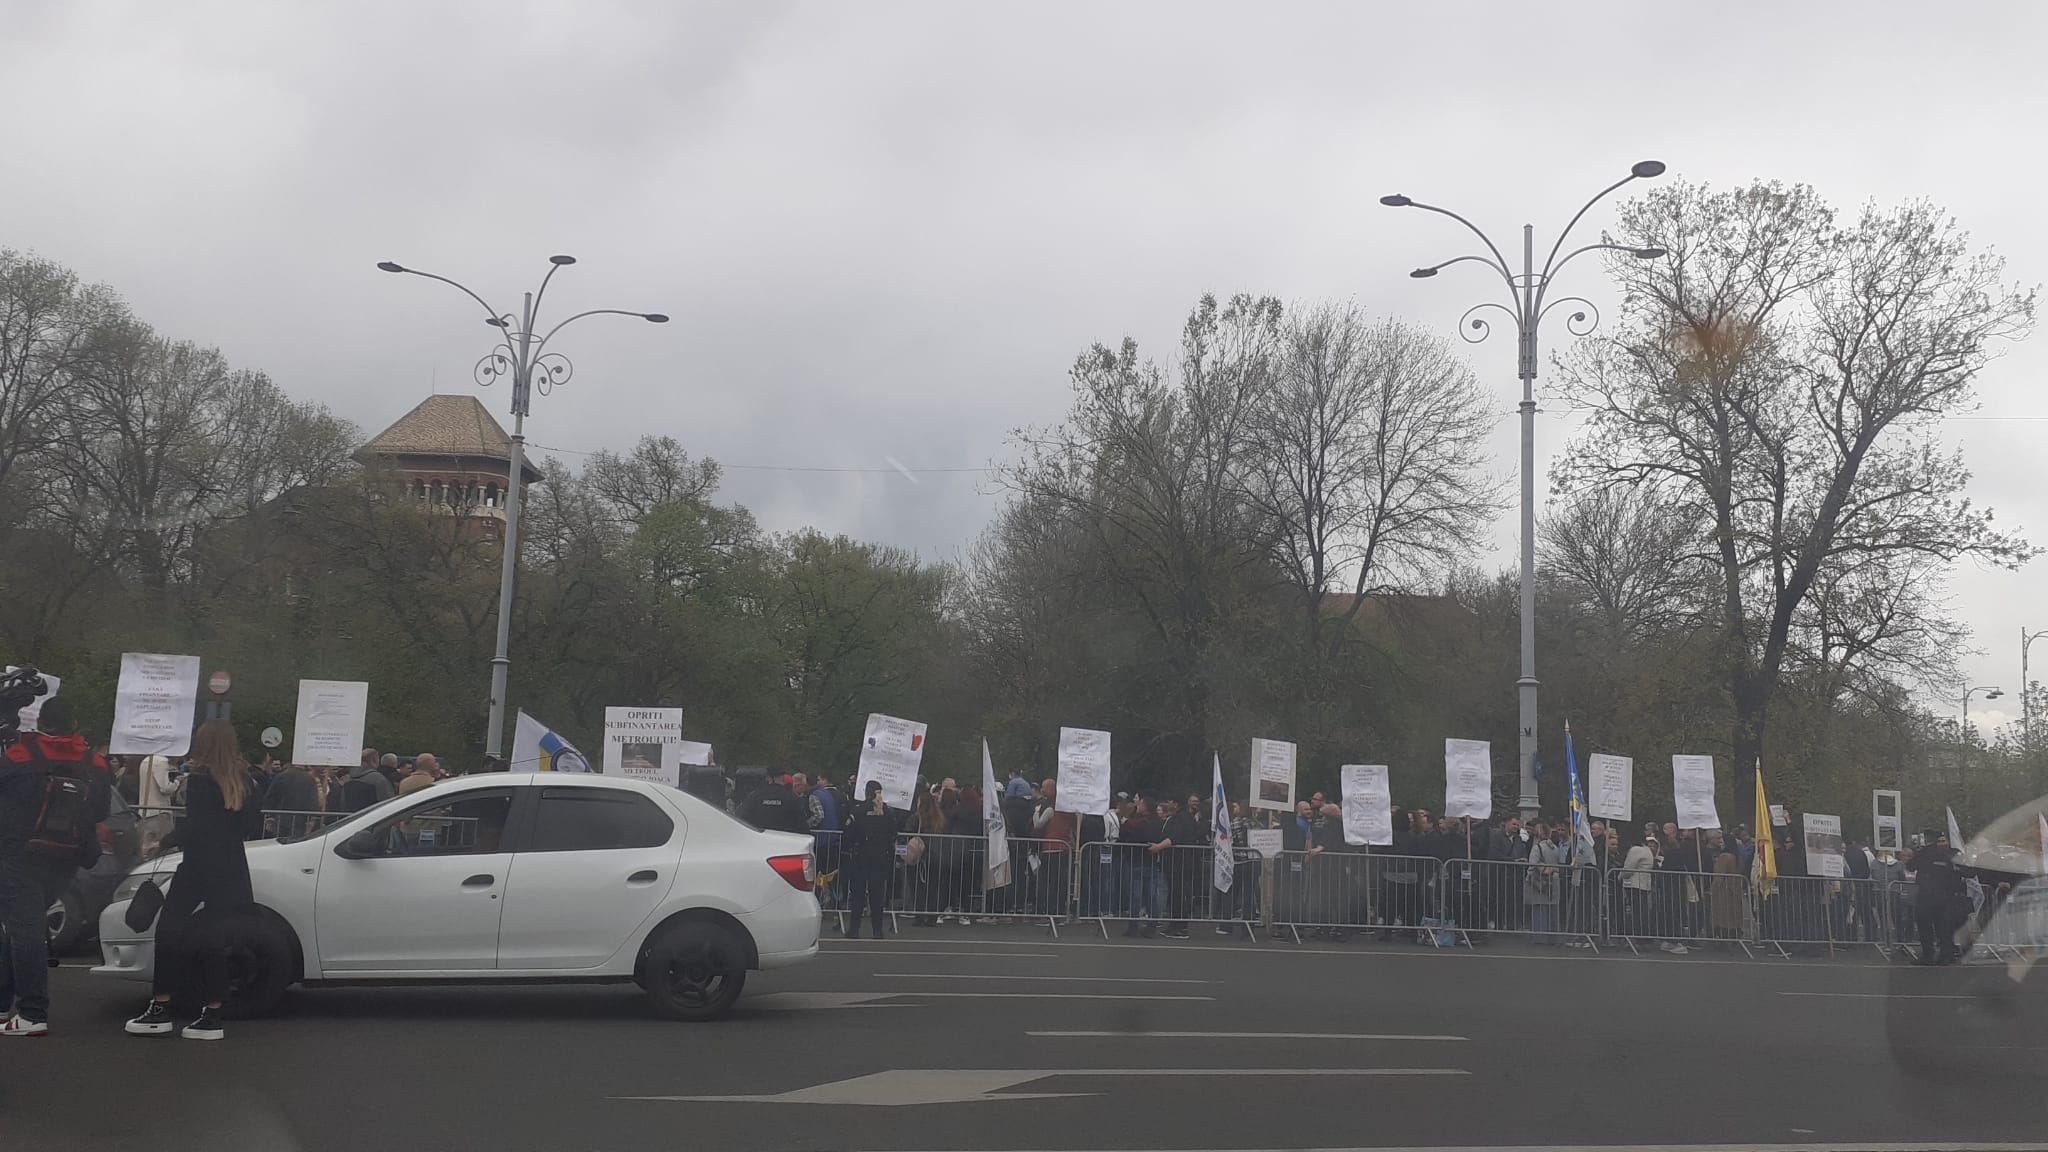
(1149, 863)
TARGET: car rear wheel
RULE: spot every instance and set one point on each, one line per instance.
(694, 970)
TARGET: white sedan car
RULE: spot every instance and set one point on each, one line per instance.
(528, 876)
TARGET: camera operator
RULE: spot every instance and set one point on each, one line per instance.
(33, 872)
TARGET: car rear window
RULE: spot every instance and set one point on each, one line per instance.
(595, 819)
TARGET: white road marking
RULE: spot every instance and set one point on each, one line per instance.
(1068, 979)
(1977, 1146)
(901, 1086)
(1610, 955)
(816, 1001)
(927, 952)
(1048, 996)
(1884, 995)
(1252, 1035)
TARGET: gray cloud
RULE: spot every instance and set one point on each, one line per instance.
(884, 230)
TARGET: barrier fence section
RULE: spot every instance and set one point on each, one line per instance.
(1334, 894)
(1553, 904)
(153, 824)
(1171, 886)
(1680, 909)
(941, 878)
(1802, 911)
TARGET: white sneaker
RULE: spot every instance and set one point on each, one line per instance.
(19, 1026)
(1667, 946)
(1679, 950)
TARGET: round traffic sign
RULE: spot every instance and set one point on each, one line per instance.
(219, 683)
(272, 737)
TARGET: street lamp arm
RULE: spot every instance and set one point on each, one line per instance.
(1551, 263)
(578, 316)
(492, 314)
(1499, 261)
(1476, 324)
(1433, 269)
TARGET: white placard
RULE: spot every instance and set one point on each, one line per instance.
(1468, 779)
(1887, 829)
(1611, 782)
(1824, 845)
(1778, 817)
(35, 708)
(154, 704)
(1692, 791)
(1368, 804)
(890, 752)
(644, 744)
(329, 726)
(1273, 775)
(1083, 772)
(1267, 842)
(693, 752)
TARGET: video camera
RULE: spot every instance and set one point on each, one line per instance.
(18, 689)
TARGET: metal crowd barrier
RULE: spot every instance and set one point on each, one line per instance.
(154, 823)
(1553, 904)
(1819, 910)
(940, 878)
(1334, 893)
(1173, 886)
(1681, 908)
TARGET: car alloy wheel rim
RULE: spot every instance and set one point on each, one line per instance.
(695, 976)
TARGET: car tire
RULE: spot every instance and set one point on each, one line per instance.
(67, 923)
(260, 972)
(694, 970)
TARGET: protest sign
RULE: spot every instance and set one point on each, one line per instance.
(1692, 791)
(644, 744)
(1468, 779)
(1083, 772)
(1887, 822)
(1267, 842)
(329, 726)
(1611, 781)
(1368, 804)
(890, 752)
(1824, 845)
(1272, 775)
(154, 703)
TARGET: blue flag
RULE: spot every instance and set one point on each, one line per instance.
(1581, 850)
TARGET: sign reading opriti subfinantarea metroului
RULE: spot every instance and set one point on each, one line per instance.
(1468, 779)
(154, 703)
(644, 744)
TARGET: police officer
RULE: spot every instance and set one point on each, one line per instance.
(774, 807)
(1937, 889)
(867, 857)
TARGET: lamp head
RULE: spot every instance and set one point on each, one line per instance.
(560, 260)
(1649, 253)
(1994, 694)
(654, 317)
(390, 266)
(1645, 169)
(1423, 273)
(1396, 201)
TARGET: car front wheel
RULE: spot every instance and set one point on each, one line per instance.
(259, 968)
(66, 923)
(694, 970)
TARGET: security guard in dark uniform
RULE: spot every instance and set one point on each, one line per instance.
(774, 808)
(867, 857)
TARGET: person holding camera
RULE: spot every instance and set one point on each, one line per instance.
(53, 794)
(209, 889)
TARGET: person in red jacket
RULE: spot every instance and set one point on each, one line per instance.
(31, 877)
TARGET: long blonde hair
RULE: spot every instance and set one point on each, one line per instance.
(215, 749)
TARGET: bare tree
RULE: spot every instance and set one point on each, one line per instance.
(1779, 377)
(1369, 462)
(1622, 554)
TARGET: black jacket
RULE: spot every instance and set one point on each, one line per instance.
(292, 790)
(870, 838)
(1936, 881)
(774, 808)
(23, 770)
(214, 866)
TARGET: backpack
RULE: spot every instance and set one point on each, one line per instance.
(64, 825)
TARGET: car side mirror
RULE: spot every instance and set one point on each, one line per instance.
(361, 846)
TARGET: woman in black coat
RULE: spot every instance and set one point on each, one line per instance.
(209, 888)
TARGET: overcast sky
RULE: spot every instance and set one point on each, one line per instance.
(885, 230)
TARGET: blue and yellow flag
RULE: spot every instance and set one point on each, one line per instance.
(539, 748)
(1581, 850)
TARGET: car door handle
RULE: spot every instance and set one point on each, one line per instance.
(644, 876)
(480, 880)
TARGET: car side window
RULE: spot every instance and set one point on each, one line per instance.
(588, 819)
(472, 823)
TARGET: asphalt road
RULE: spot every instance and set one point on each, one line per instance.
(1005, 1039)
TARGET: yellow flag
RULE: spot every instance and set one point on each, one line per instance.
(1763, 871)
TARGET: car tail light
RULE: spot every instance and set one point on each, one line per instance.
(106, 838)
(800, 871)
